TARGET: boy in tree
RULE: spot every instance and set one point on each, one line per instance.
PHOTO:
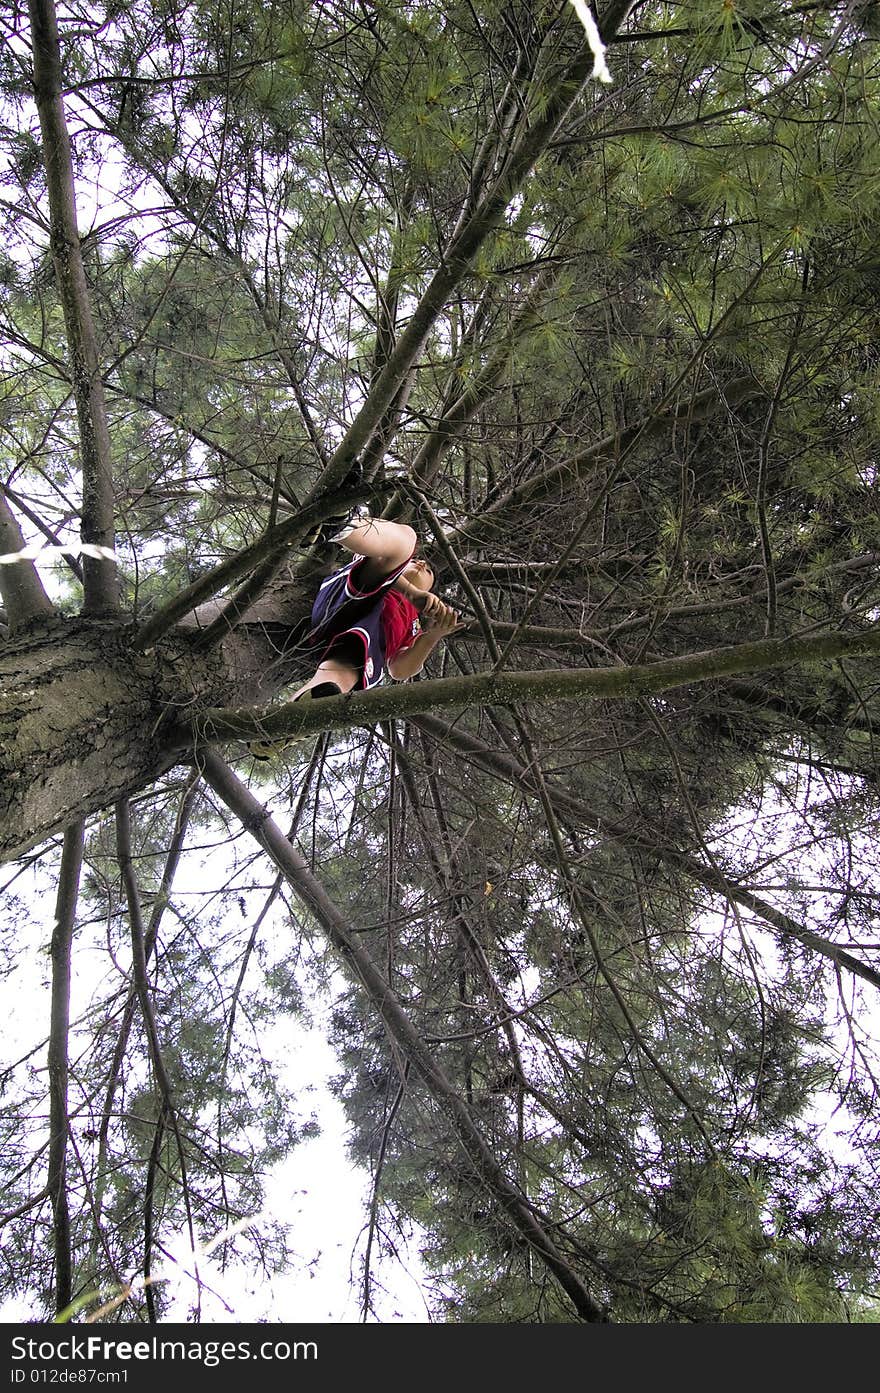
(376, 614)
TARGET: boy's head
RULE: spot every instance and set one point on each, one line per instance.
(419, 573)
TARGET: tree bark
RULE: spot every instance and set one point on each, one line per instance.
(83, 718)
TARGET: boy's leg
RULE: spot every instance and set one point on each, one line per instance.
(331, 670)
(332, 677)
(385, 544)
(340, 669)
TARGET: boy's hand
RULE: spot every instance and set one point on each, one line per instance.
(428, 604)
(437, 618)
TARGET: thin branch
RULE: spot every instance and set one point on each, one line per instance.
(168, 1111)
(460, 407)
(52, 537)
(169, 870)
(574, 812)
(377, 1180)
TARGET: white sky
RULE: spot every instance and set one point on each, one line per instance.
(324, 1200)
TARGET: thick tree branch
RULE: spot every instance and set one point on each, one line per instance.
(505, 688)
(62, 939)
(460, 254)
(265, 555)
(20, 586)
(100, 584)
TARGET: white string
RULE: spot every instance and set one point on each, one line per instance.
(36, 549)
(594, 39)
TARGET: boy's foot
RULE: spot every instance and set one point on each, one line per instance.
(267, 749)
(335, 528)
(321, 689)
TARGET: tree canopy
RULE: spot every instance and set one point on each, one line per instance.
(594, 897)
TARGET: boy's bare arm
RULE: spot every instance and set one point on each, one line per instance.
(413, 594)
(437, 626)
(425, 601)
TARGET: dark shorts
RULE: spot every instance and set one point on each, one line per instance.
(347, 622)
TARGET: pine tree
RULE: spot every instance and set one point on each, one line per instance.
(600, 882)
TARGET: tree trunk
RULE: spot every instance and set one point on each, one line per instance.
(83, 715)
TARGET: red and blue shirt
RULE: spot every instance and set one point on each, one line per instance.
(385, 622)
